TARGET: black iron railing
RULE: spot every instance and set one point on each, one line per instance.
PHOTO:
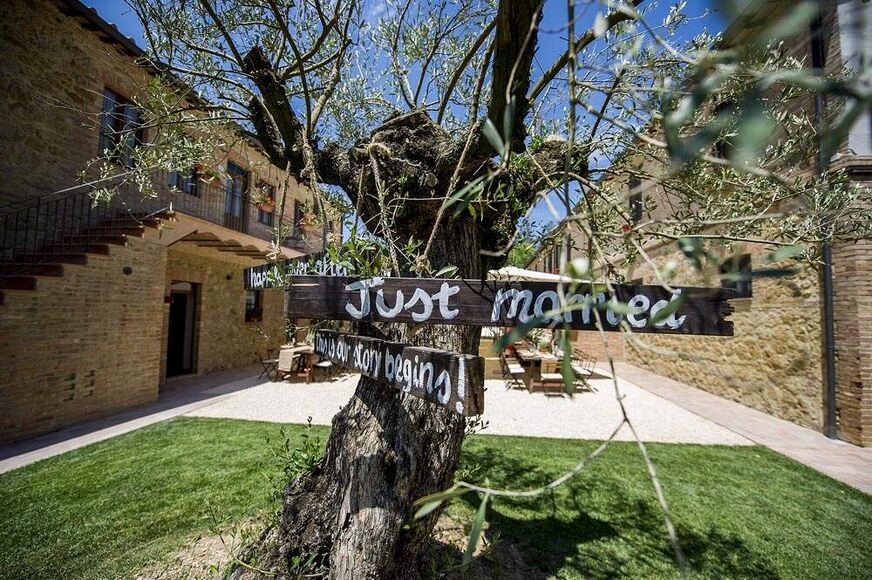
(64, 225)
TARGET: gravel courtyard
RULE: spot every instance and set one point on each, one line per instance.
(588, 415)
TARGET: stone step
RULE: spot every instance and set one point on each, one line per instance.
(97, 231)
(38, 269)
(17, 282)
(132, 220)
(63, 258)
(90, 248)
(116, 240)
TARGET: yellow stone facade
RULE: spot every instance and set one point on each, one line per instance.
(94, 341)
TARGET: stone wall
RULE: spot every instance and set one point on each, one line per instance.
(223, 338)
(83, 345)
(52, 80)
(773, 361)
(54, 74)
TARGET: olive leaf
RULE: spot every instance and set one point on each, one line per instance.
(431, 502)
(475, 531)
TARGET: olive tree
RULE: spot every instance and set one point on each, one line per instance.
(437, 126)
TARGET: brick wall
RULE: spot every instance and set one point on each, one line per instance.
(224, 339)
(852, 293)
(52, 80)
(591, 342)
(84, 345)
(93, 342)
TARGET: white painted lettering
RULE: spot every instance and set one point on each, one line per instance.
(443, 296)
(639, 304)
(382, 307)
(516, 297)
(426, 302)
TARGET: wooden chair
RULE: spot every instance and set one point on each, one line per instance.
(552, 383)
(583, 365)
(289, 363)
(325, 365)
(270, 364)
(512, 369)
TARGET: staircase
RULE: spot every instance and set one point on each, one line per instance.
(41, 237)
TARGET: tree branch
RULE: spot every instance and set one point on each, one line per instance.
(585, 39)
(513, 57)
(274, 115)
(464, 63)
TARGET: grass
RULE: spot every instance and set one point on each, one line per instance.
(109, 509)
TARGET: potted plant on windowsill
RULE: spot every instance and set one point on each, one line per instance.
(206, 173)
(263, 201)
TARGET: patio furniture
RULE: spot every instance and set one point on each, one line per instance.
(322, 366)
(552, 383)
(583, 365)
(270, 364)
(513, 372)
(534, 361)
(296, 360)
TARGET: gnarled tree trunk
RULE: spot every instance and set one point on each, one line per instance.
(386, 449)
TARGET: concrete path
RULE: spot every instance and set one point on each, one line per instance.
(842, 461)
(589, 415)
(181, 396)
(662, 410)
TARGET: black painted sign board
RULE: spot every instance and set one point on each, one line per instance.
(265, 276)
(700, 311)
(448, 379)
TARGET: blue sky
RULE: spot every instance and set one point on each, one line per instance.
(552, 39)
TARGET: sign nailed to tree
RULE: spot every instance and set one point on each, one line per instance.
(688, 310)
(452, 380)
(266, 275)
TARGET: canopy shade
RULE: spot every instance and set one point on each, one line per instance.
(513, 273)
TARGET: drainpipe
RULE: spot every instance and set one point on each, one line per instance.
(819, 62)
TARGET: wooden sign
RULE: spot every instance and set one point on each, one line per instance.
(265, 276)
(452, 380)
(701, 311)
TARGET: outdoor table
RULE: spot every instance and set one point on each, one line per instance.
(296, 357)
(534, 361)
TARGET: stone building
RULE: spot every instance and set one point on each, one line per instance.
(103, 304)
(776, 362)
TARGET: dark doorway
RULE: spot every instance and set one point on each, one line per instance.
(180, 342)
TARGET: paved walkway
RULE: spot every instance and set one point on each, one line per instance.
(839, 460)
(588, 415)
(662, 410)
(181, 396)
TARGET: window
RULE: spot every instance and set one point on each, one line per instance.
(266, 203)
(736, 274)
(253, 305)
(855, 54)
(185, 181)
(120, 128)
(637, 204)
(234, 196)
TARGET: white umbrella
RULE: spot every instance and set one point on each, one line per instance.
(513, 273)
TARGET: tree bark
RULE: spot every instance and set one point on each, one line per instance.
(351, 513)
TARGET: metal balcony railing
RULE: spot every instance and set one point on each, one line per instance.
(61, 225)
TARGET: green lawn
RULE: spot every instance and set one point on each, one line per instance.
(107, 510)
